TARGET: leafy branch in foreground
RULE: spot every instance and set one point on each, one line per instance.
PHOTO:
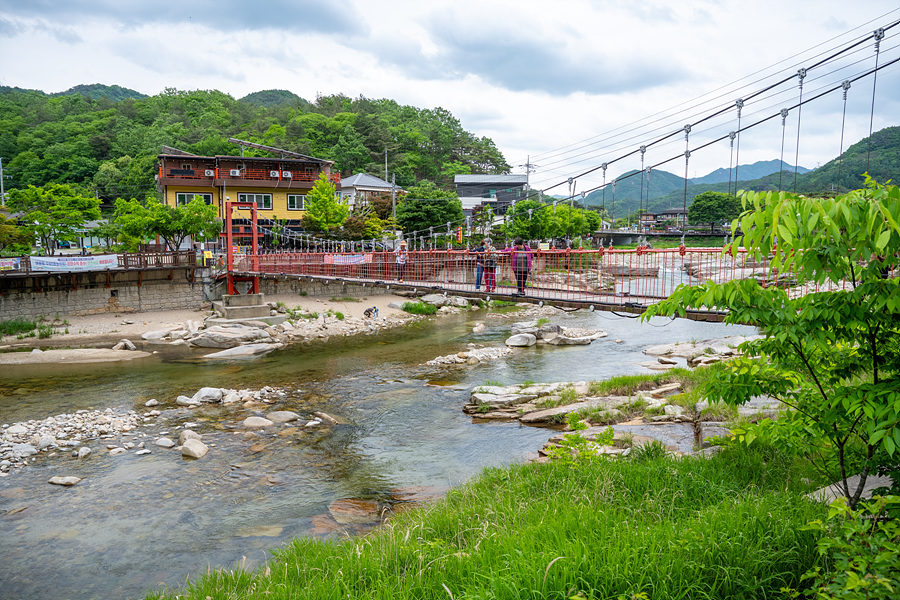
(832, 356)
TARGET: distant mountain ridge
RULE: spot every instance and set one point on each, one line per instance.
(95, 91)
(747, 172)
(269, 98)
(878, 155)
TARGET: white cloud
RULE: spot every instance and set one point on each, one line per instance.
(572, 84)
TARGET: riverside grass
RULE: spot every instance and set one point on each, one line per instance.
(729, 526)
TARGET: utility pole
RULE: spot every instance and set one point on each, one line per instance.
(393, 196)
(529, 169)
(385, 163)
(2, 191)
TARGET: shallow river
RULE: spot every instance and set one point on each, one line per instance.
(136, 523)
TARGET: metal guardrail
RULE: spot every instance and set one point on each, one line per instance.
(68, 263)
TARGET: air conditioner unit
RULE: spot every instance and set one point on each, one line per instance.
(235, 172)
(286, 174)
(273, 173)
(209, 173)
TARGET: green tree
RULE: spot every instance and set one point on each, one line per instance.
(53, 213)
(714, 207)
(12, 236)
(426, 205)
(350, 153)
(324, 210)
(831, 356)
(174, 225)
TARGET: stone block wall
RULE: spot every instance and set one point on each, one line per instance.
(101, 292)
(286, 285)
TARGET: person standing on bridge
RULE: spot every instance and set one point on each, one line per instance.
(479, 263)
(520, 257)
(490, 267)
(401, 260)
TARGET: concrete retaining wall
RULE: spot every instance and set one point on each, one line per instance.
(137, 291)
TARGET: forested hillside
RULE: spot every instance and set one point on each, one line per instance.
(111, 146)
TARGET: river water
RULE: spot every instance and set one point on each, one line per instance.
(136, 523)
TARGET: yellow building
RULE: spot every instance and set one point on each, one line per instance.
(278, 186)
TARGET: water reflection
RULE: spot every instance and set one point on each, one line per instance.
(137, 522)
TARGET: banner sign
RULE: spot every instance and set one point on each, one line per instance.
(74, 263)
(9, 264)
(348, 259)
(459, 236)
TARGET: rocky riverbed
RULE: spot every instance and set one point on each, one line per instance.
(657, 412)
(84, 433)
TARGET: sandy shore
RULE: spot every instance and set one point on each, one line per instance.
(105, 330)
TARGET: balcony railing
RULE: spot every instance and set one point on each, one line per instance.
(256, 174)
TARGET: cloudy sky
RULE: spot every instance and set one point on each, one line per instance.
(572, 84)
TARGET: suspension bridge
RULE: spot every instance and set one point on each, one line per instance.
(610, 279)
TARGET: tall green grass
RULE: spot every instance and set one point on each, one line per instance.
(419, 308)
(725, 527)
(16, 326)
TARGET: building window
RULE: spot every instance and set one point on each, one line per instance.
(183, 198)
(187, 167)
(296, 202)
(263, 201)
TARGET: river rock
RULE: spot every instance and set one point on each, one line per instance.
(151, 403)
(194, 449)
(395, 304)
(16, 430)
(185, 401)
(521, 340)
(64, 481)
(165, 442)
(479, 328)
(117, 451)
(231, 397)
(83, 452)
(23, 450)
(327, 418)
(142, 452)
(156, 334)
(459, 302)
(187, 434)
(562, 340)
(220, 336)
(282, 416)
(353, 510)
(207, 394)
(245, 351)
(256, 423)
(45, 442)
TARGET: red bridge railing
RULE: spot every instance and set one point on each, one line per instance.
(640, 276)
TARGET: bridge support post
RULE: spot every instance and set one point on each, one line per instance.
(229, 240)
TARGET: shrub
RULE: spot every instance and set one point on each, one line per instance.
(419, 308)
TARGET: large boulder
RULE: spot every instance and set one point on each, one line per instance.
(436, 299)
(245, 351)
(228, 337)
(521, 340)
(156, 334)
(207, 394)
